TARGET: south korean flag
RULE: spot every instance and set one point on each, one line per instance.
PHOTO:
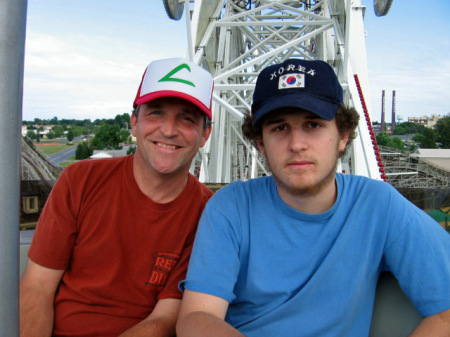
(289, 81)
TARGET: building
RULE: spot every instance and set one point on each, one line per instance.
(426, 121)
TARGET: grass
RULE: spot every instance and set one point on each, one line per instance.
(68, 161)
(52, 148)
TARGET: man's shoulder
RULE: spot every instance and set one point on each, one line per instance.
(97, 163)
(200, 188)
(95, 169)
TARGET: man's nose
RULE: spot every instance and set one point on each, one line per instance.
(169, 127)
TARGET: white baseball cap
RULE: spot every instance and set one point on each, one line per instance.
(176, 77)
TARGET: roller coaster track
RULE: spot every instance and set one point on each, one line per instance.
(404, 171)
(35, 166)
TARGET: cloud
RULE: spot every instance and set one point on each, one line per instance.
(80, 76)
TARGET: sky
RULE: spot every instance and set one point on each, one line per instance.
(84, 59)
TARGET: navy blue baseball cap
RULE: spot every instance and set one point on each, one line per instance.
(296, 83)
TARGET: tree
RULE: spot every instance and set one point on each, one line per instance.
(397, 143)
(430, 139)
(383, 138)
(51, 135)
(131, 149)
(31, 135)
(443, 132)
(83, 151)
(69, 135)
(106, 136)
(58, 130)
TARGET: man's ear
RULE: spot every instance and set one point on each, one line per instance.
(133, 123)
(206, 134)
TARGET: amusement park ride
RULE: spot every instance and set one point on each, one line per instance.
(236, 39)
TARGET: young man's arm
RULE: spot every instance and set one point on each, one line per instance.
(203, 315)
(436, 325)
(37, 293)
(160, 323)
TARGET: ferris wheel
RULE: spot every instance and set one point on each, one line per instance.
(236, 39)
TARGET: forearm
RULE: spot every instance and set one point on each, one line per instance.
(197, 324)
(159, 327)
(437, 326)
(36, 315)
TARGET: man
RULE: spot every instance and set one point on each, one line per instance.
(299, 253)
(115, 236)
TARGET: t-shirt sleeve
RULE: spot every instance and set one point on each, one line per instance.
(55, 232)
(417, 252)
(214, 263)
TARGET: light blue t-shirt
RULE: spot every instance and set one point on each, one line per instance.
(288, 273)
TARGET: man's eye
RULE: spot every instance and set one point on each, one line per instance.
(188, 118)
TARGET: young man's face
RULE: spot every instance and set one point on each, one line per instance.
(169, 132)
(302, 150)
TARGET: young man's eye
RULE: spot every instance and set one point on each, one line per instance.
(313, 125)
(281, 127)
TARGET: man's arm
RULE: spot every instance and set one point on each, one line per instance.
(160, 323)
(203, 315)
(37, 293)
(436, 325)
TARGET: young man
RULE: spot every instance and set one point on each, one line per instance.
(115, 236)
(299, 253)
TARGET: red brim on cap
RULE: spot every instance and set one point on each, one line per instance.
(167, 93)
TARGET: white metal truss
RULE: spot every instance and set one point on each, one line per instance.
(235, 40)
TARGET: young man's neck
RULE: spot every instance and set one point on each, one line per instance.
(311, 202)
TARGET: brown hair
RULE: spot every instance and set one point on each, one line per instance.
(346, 120)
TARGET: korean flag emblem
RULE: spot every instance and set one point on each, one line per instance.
(291, 81)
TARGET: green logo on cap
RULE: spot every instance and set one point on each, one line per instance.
(168, 77)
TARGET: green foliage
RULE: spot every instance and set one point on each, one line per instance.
(31, 135)
(395, 142)
(409, 128)
(51, 135)
(58, 130)
(107, 136)
(383, 138)
(70, 135)
(124, 136)
(131, 149)
(430, 139)
(83, 151)
(443, 131)
(418, 138)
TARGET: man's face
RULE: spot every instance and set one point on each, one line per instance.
(169, 132)
(302, 150)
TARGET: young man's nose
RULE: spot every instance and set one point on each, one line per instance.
(298, 140)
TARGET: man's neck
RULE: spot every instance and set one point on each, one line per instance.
(161, 188)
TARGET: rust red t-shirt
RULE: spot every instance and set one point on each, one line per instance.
(120, 250)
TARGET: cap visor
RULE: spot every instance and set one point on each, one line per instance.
(326, 110)
(160, 94)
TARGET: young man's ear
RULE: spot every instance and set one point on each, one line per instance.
(344, 140)
(260, 144)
